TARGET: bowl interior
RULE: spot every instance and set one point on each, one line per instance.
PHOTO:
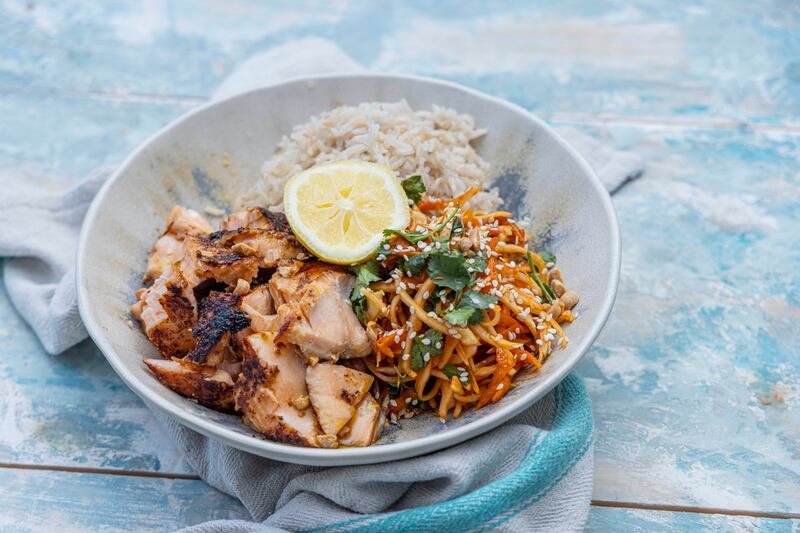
(213, 155)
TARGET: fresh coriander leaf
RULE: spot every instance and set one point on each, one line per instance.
(478, 300)
(415, 236)
(549, 295)
(476, 263)
(425, 344)
(365, 274)
(468, 310)
(463, 316)
(547, 257)
(411, 236)
(414, 188)
(394, 390)
(450, 270)
(457, 228)
(452, 371)
(414, 265)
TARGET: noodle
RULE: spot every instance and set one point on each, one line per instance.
(432, 350)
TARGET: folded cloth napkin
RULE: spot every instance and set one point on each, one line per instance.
(533, 473)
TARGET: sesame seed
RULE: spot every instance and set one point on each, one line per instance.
(412, 335)
(512, 264)
(426, 357)
(397, 339)
(425, 341)
(539, 342)
(499, 267)
(393, 403)
(408, 400)
(471, 260)
(414, 401)
(431, 314)
(421, 245)
(451, 331)
(385, 246)
(405, 357)
(438, 345)
(551, 331)
(516, 330)
(426, 294)
(486, 271)
(500, 386)
(403, 345)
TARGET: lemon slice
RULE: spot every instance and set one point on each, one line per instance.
(339, 210)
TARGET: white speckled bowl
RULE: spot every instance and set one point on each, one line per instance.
(213, 154)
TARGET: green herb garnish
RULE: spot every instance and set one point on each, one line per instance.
(414, 265)
(415, 236)
(547, 257)
(450, 270)
(469, 308)
(365, 274)
(452, 371)
(548, 293)
(430, 344)
(414, 188)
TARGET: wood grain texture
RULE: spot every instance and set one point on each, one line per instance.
(695, 379)
(60, 501)
(629, 58)
(604, 519)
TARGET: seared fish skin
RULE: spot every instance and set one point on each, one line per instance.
(219, 317)
(270, 389)
(169, 249)
(209, 386)
(168, 312)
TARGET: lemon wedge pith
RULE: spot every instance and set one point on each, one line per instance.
(339, 210)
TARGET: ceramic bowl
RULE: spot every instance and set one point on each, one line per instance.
(213, 154)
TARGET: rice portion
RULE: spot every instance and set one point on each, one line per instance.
(433, 144)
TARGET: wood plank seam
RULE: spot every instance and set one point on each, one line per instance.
(696, 510)
(100, 471)
(595, 503)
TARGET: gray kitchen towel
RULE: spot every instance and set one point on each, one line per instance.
(533, 473)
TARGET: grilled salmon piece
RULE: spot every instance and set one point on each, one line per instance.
(210, 386)
(271, 392)
(220, 317)
(207, 259)
(168, 312)
(257, 218)
(365, 426)
(315, 314)
(335, 391)
(260, 233)
(258, 307)
(168, 249)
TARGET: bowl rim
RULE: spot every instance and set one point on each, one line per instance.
(369, 454)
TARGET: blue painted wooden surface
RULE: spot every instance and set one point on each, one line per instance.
(695, 381)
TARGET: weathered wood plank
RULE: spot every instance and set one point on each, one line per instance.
(72, 410)
(702, 333)
(608, 519)
(643, 58)
(695, 379)
(35, 500)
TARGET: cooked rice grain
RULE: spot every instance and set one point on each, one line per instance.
(433, 144)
